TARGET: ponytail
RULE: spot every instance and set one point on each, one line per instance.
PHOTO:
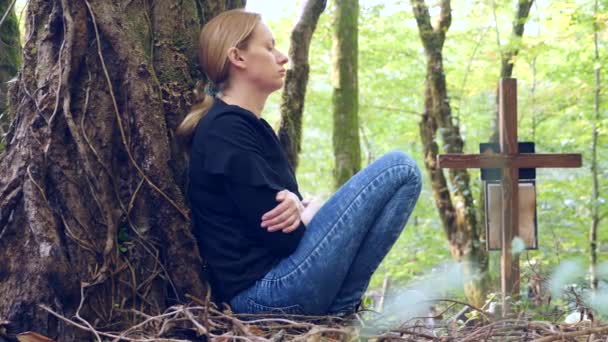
(185, 131)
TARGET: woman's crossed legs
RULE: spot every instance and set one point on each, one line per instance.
(343, 245)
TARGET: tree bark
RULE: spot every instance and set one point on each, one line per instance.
(90, 184)
(456, 208)
(346, 145)
(10, 58)
(294, 91)
(595, 189)
(209, 9)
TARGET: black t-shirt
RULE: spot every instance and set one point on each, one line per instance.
(237, 166)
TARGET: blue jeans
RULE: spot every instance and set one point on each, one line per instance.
(343, 245)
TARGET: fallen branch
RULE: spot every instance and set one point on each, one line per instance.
(215, 324)
(564, 336)
(80, 326)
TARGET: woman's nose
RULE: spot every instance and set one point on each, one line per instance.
(282, 59)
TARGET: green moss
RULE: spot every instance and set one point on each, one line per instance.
(139, 30)
(181, 42)
(347, 147)
(10, 54)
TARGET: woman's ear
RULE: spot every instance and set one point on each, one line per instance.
(236, 58)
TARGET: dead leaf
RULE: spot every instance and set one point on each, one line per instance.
(30, 336)
(257, 331)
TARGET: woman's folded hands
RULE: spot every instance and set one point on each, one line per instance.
(290, 211)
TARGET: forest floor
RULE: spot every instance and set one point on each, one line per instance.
(204, 321)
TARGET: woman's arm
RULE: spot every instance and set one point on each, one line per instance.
(252, 203)
(286, 215)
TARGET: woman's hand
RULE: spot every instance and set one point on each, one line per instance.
(286, 215)
(311, 207)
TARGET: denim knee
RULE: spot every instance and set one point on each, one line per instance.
(412, 175)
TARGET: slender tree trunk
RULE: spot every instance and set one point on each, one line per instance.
(521, 17)
(10, 58)
(92, 217)
(347, 148)
(456, 209)
(294, 91)
(507, 59)
(595, 195)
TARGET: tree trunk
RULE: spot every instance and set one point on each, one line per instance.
(456, 209)
(294, 91)
(90, 186)
(10, 58)
(346, 145)
(507, 58)
(595, 192)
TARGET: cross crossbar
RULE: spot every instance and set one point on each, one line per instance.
(496, 161)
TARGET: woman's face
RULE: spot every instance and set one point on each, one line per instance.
(264, 65)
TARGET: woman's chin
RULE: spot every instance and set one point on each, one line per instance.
(278, 86)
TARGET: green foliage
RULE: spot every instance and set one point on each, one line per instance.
(20, 10)
(555, 90)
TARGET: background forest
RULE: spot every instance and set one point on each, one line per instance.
(556, 69)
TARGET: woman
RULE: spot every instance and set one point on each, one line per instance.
(268, 249)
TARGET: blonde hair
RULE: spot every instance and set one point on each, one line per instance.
(229, 29)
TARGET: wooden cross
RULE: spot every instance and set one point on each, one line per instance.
(509, 161)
